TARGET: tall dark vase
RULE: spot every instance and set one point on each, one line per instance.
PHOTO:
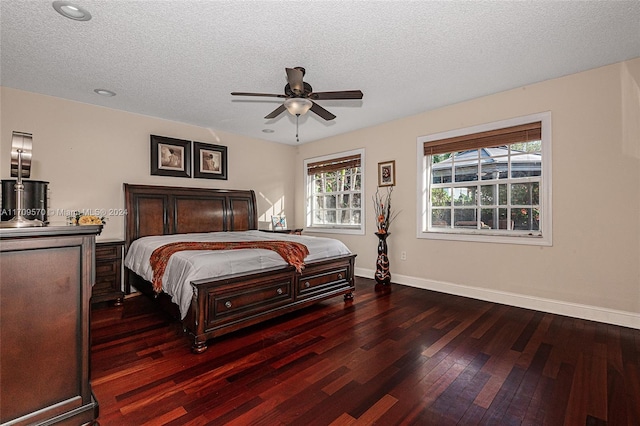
(382, 276)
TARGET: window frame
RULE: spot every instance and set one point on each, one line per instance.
(309, 194)
(544, 237)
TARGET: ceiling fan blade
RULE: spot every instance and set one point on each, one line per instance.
(322, 112)
(271, 95)
(294, 77)
(276, 112)
(342, 94)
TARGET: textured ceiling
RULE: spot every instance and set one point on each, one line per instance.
(179, 60)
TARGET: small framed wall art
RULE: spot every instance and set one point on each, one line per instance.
(387, 173)
(170, 157)
(279, 223)
(210, 161)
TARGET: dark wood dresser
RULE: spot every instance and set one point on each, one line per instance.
(108, 284)
(46, 276)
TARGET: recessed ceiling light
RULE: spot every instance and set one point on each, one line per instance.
(268, 130)
(105, 92)
(71, 11)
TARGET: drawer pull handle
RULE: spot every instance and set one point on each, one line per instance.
(227, 304)
(279, 291)
(339, 276)
(307, 285)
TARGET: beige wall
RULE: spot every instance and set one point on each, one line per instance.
(87, 152)
(593, 267)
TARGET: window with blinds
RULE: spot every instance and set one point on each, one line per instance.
(488, 183)
(334, 192)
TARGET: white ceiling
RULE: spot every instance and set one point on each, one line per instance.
(179, 60)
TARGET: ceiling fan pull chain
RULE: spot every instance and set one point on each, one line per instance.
(297, 117)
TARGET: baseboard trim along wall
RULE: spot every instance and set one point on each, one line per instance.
(587, 312)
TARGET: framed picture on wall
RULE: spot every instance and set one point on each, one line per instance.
(210, 161)
(387, 173)
(170, 157)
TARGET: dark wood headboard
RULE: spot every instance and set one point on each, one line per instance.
(164, 210)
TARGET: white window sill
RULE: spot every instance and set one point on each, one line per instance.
(521, 239)
(335, 230)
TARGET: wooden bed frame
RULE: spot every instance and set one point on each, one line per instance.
(223, 304)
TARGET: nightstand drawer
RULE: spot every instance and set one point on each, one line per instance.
(108, 272)
(107, 269)
(108, 251)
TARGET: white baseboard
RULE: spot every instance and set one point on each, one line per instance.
(587, 312)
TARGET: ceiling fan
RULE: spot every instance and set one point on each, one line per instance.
(299, 96)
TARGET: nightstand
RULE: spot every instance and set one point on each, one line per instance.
(295, 231)
(108, 284)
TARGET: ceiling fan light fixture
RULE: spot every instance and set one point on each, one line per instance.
(298, 106)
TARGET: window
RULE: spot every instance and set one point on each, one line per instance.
(488, 183)
(334, 193)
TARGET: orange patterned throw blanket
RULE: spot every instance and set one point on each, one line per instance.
(292, 253)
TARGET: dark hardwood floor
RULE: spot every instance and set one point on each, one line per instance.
(411, 357)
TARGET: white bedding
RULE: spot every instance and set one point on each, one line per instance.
(187, 266)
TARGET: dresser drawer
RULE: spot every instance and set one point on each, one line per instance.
(322, 282)
(240, 303)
